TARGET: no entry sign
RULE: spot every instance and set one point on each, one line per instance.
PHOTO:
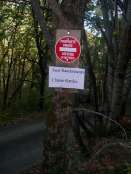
(67, 49)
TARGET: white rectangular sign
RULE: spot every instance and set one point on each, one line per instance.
(64, 77)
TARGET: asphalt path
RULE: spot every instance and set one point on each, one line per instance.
(20, 147)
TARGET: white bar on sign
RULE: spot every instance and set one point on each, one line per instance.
(72, 50)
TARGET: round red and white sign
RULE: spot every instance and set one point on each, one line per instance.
(67, 49)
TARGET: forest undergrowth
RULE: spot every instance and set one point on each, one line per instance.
(107, 155)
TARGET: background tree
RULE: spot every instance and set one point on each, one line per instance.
(109, 22)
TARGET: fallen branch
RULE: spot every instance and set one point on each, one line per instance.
(98, 114)
(125, 146)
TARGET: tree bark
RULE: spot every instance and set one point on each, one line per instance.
(70, 16)
(56, 146)
(122, 64)
(42, 53)
(91, 72)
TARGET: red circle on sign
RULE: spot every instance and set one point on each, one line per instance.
(67, 49)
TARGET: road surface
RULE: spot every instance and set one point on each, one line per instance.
(20, 147)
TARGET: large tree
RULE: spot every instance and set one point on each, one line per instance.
(69, 15)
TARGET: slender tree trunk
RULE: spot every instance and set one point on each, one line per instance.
(126, 90)
(6, 89)
(43, 74)
(91, 73)
(42, 52)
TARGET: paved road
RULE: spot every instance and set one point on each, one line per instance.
(20, 147)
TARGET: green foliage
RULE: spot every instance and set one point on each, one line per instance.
(19, 69)
(5, 118)
(128, 169)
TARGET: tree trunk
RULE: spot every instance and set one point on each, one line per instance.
(122, 64)
(70, 16)
(91, 73)
(58, 131)
(42, 51)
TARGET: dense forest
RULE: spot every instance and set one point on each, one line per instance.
(27, 38)
(24, 59)
(25, 55)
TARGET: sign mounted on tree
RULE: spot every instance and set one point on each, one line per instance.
(66, 77)
(68, 49)
(66, 73)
